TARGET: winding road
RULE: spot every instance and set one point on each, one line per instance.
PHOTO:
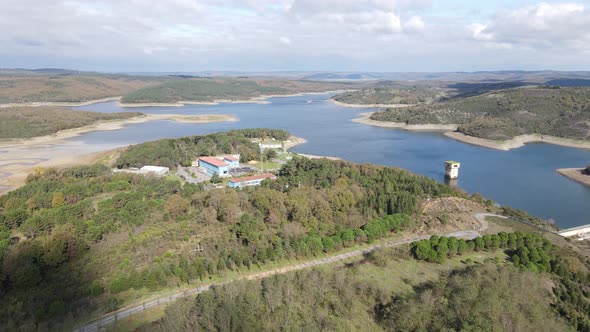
(113, 317)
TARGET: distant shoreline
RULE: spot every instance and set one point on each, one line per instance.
(575, 174)
(339, 103)
(253, 100)
(450, 131)
(365, 119)
(107, 125)
(62, 103)
(16, 171)
(518, 141)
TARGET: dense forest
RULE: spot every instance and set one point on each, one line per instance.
(112, 237)
(25, 122)
(392, 96)
(170, 152)
(503, 114)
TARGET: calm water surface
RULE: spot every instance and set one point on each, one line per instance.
(523, 178)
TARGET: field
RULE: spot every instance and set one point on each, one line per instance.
(68, 88)
(504, 114)
(26, 122)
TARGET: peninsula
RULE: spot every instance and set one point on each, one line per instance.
(500, 119)
(581, 175)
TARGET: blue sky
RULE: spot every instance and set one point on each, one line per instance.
(280, 35)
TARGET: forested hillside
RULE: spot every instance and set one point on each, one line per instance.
(391, 96)
(212, 89)
(16, 88)
(503, 114)
(388, 292)
(25, 122)
(202, 89)
(115, 237)
(170, 152)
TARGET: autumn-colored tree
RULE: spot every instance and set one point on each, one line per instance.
(58, 200)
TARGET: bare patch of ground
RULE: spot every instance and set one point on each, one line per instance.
(450, 214)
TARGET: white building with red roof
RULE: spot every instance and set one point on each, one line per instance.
(220, 165)
(212, 166)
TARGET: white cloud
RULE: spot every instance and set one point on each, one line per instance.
(285, 40)
(544, 25)
(241, 34)
(478, 32)
(415, 23)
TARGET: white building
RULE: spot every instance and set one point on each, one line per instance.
(452, 169)
(247, 181)
(156, 170)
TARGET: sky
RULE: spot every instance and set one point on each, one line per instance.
(295, 35)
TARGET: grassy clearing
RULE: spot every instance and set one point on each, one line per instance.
(139, 320)
(399, 275)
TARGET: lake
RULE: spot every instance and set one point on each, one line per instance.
(523, 178)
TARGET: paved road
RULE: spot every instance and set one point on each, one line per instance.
(126, 312)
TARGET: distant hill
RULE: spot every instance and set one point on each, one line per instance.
(55, 71)
(569, 82)
(211, 89)
(474, 89)
(16, 87)
(390, 96)
(503, 114)
(26, 122)
(336, 76)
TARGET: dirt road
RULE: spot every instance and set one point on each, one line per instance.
(111, 318)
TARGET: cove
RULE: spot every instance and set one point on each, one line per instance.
(523, 178)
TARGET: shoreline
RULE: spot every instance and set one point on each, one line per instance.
(339, 103)
(365, 119)
(293, 141)
(518, 141)
(313, 156)
(62, 103)
(575, 174)
(115, 125)
(450, 132)
(262, 99)
(253, 100)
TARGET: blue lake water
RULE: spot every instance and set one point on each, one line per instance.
(523, 178)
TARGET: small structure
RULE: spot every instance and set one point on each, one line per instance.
(156, 170)
(232, 160)
(452, 169)
(212, 166)
(253, 180)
